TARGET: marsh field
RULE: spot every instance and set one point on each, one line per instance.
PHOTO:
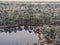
(19, 20)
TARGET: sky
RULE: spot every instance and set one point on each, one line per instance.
(29, 0)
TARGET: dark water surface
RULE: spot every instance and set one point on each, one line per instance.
(19, 38)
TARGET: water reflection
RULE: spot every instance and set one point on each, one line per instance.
(19, 36)
(26, 28)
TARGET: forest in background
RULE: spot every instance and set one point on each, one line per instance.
(12, 13)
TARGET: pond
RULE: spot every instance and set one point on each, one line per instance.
(18, 38)
(22, 36)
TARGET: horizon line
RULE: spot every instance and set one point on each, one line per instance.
(28, 1)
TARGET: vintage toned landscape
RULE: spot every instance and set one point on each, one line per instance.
(29, 23)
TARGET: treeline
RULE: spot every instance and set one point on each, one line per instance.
(27, 18)
(33, 14)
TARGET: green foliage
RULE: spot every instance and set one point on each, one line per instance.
(15, 14)
(26, 16)
(45, 17)
(5, 14)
